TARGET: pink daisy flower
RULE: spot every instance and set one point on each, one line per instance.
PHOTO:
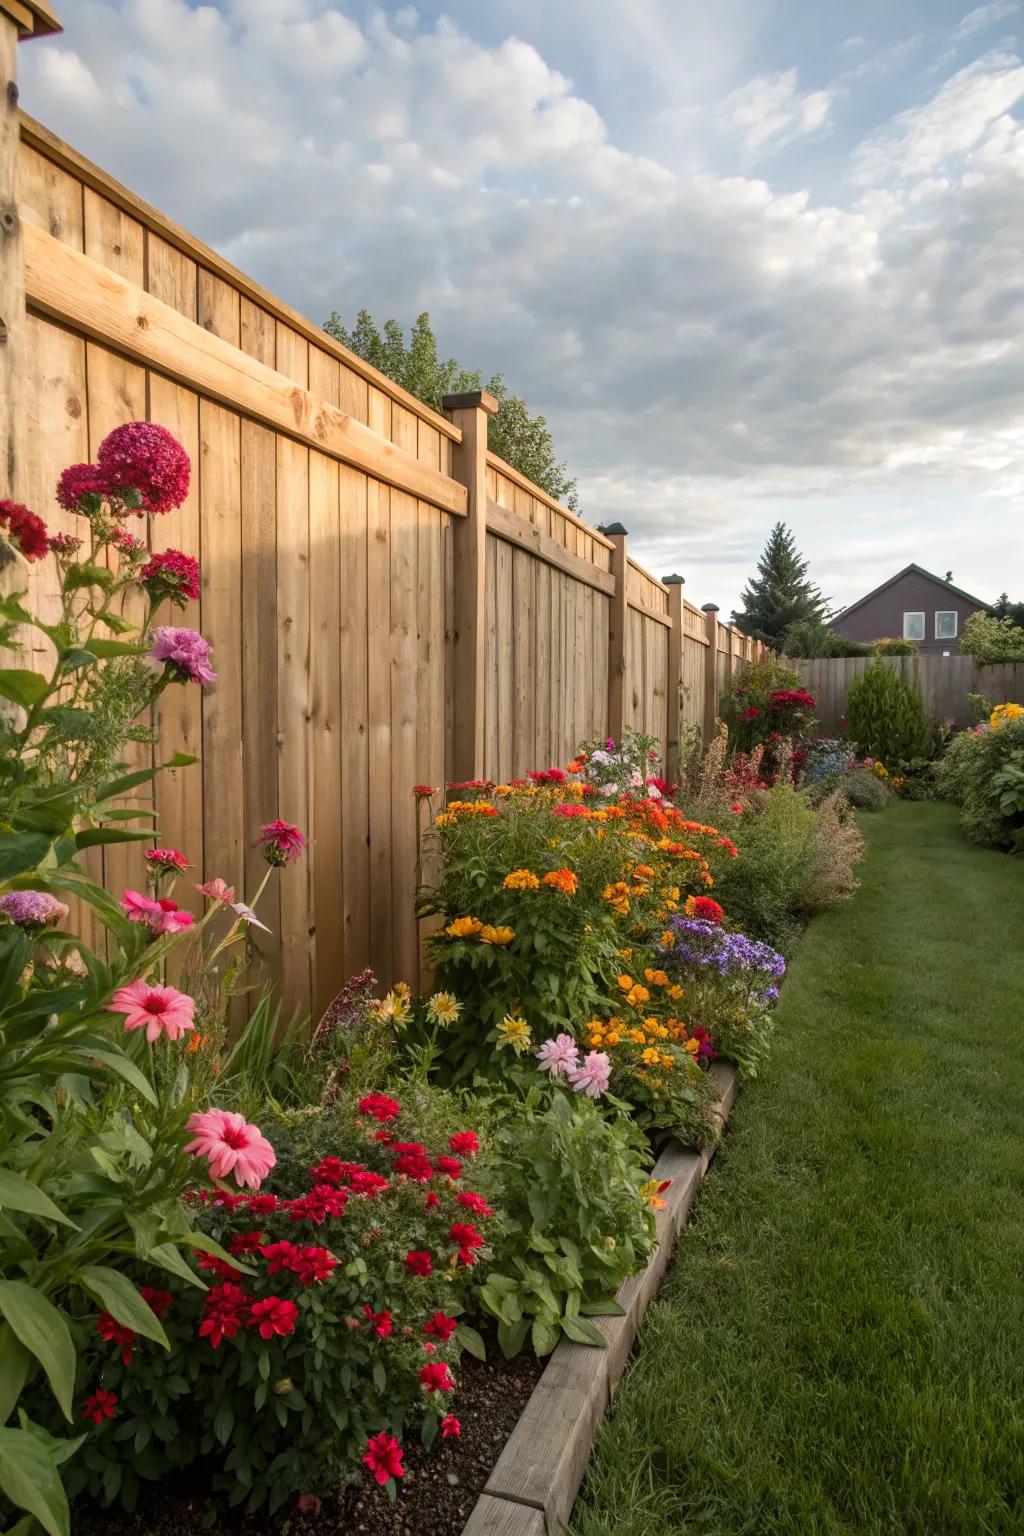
(281, 842)
(593, 1077)
(157, 1009)
(232, 1146)
(559, 1056)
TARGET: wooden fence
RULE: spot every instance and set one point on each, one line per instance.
(388, 602)
(944, 681)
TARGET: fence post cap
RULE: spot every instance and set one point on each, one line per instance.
(33, 18)
(709, 608)
(673, 581)
(475, 398)
(613, 530)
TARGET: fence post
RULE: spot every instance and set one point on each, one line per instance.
(617, 623)
(710, 612)
(470, 414)
(675, 676)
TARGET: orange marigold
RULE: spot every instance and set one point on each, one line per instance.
(562, 880)
(521, 880)
(464, 927)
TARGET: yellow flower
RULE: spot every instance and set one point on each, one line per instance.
(667, 939)
(443, 1009)
(394, 1006)
(521, 880)
(692, 1046)
(614, 1038)
(625, 954)
(499, 935)
(637, 995)
(675, 992)
(514, 1032)
(464, 927)
(625, 982)
(651, 1056)
(444, 819)
(655, 978)
(651, 1193)
(1004, 712)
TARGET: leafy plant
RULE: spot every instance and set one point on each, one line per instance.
(885, 717)
(991, 639)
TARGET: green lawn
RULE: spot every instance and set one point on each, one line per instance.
(840, 1346)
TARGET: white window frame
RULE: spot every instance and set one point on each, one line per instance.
(944, 613)
(916, 614)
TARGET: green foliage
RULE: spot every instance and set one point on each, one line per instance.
(1004, 609)
(780, 594)
(522, 440)
(982, 771)
(752, 711)
(979, 708)
(813, 638)
(895, 646)
(576, 1220)
(860, 787)
(885, 717)
(990, 639)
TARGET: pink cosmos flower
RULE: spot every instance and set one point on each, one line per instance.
(217, 890)
(160, 1010)
(185, 652)
(144, 457)
(232, 1146)
(593, 1077)
(281, 842)
(559, 1056)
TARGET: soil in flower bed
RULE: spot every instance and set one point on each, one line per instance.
(435, 1497)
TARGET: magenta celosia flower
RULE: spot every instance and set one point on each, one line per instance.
(76, 483)
(171, 574)
(33, 909)
(281, 842)
(157, 1009)
(217, 890)
(593, 1077)
(231, 1146)
(127, 543)
(185, 652)
(559, 1056)
(64, 543)
(144, 457)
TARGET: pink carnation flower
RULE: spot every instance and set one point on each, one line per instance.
(559, 1056)
(171, 574)
(162, 916)
(186, 652)
(77, 482)
(157, 1009)
(231, 1146)
(217, 890)
(166, 858)
(141, 456)
(593, 1077)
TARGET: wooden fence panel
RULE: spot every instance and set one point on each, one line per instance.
(944, 681)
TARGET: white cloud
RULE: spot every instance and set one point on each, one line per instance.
(712, 352)
(981, 17)
(770, 111)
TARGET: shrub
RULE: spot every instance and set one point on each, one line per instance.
(766, 699)
(989, 639)
(578, 1218)
(893, 646)
(983, 772)
(333, 1319)
(885, 717)
(812, 638)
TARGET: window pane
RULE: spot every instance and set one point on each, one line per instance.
(913, 626)
(945, 624)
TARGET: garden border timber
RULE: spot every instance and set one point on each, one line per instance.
(533, 1485)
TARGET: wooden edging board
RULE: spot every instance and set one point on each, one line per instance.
(534, 1483)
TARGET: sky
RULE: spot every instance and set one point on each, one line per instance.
(754, 260)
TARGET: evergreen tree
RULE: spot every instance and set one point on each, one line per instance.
(780, 594)
(522, 440)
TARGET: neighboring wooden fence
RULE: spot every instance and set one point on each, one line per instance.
(388, 602)
(944, 681)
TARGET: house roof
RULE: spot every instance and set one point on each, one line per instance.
(917, 570)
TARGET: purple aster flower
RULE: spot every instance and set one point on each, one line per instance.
(33, 909)
(559, 1056)
(186, 652)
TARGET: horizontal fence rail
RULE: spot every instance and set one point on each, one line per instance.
(388, 602)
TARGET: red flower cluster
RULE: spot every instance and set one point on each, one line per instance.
(423, 791)
(312, 1265)
(466, 1239)
(750, 713)
(380, 1322)
(547, 775)
(27, 531)
(793, 698)
(171, 574)
(464, 1143)
(113, 1332)
(380, 1106)
(707, 908)
(321, 1202)
(100, 1405)
(435, 1377)
(141, 456)
(440, 1326)
(483, 785)
(227, 1310)
(418, 1262)
(77, 482)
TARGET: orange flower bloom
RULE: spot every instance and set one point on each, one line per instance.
(562, 880)
(464, 927)
(499, 935)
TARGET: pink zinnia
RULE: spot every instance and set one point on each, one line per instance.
(141, 456)
(166, 858)
(593, 1077)
(232, 1146)
(185, 652)
(163, 916)
(159, 1010)
(383, 1456)
(281, 842)
(559, 1056)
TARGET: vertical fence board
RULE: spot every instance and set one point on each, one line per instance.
(353, 640)
(294, 764)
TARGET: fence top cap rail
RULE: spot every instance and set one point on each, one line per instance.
(673, 581)
(709, 608)
(467, 402)
(53, 148)
(494, 461)
(643, 571)
(34, 18)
